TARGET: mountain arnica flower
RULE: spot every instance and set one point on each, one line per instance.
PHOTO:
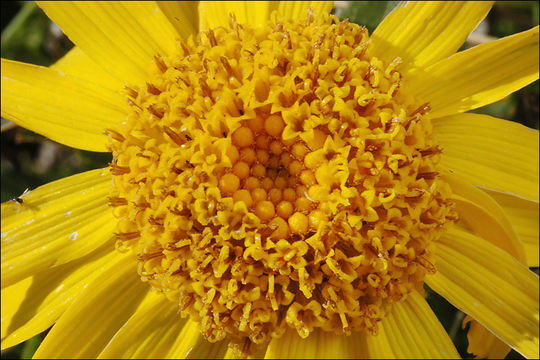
(282, 185)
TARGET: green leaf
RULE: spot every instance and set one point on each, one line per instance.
(25, 35)
(367, 13)
(30, 346)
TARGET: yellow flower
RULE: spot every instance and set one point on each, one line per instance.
(282, 184)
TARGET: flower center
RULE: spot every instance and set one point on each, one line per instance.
(278, 176)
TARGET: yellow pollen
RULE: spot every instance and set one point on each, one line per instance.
(278, 176)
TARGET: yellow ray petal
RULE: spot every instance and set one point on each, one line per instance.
(490, 152)
(76, 63)
(523, 215)
(411, 331)
(380, 346)
(216, 13)
(294, 9)
(54, 224)
(423, 32)
(183, 15)
(63, 108)
(259, 354)
(97, 314)
(491, 286)
(482, 343)
(157, 331)
(480, 75)
(149, 333)
(485, 217)
(191, 344)
(319, 344)
(33, 304)
(121, 36)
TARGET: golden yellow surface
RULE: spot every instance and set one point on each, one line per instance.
(277, 176)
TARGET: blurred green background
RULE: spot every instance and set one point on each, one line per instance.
(29, 160)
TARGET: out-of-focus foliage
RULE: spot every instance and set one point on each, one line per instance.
(29, 37)
(367, 13)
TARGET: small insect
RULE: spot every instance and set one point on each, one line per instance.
(19, 199)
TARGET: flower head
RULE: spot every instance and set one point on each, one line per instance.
(280, 179)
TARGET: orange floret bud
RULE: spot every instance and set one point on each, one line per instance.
(256, 125)
(229, 183)
(281, 228)
(258, 195)
(265, 210)
(252, 183)
(241, 169)
(247, 155)
(298, 223)
(243, 195)
(242, 137)
(285, 209)
(274, 125)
